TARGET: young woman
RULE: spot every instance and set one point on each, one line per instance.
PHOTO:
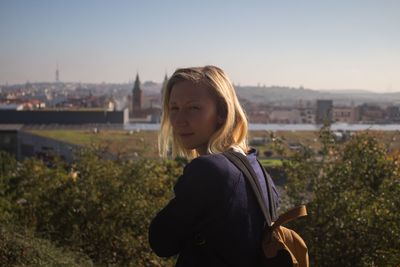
(214, 218)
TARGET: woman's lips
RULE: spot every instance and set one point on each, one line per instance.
(186, 134)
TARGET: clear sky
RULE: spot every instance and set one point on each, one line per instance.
(322, 44)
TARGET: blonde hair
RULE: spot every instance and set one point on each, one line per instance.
(233, 131)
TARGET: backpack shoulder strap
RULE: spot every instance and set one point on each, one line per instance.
(268, 178)
(290, 215)
(241, 162)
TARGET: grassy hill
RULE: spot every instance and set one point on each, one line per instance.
(144, 143)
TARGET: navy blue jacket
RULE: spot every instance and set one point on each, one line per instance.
(214, 219)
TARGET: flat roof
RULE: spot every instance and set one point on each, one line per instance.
(10, 127)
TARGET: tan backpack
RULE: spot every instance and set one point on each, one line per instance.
(281, 246)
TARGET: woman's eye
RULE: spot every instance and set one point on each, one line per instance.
(194, 108)
(173, 108)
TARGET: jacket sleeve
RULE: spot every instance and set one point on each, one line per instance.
(195, 190)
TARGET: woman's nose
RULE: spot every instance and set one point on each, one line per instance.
(179, 118)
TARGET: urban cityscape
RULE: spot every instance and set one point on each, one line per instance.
(138, 102)
(86, 174)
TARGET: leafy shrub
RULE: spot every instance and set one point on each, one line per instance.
(19, 248)
(352, 197)
(8, 167)
(102, 207)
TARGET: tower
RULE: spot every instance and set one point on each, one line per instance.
(137, 96)
(57, 74)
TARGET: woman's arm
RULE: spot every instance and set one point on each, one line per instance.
(195, 190)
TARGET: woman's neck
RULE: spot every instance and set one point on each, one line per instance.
(202, 150)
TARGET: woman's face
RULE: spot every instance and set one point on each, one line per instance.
(193, 115)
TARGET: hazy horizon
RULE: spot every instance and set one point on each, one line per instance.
(238, 85)
(340, 45)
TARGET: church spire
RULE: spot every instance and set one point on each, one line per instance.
(137, 95)
(137, 83)
(164, 87)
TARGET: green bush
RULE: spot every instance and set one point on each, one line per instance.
(19, 248)
(8, 167)
(101, 207)
(352, 200)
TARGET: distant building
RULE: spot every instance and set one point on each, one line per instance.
(9, 138)
(345, 114)
(89, 101)
(141, 112)
(21, 104)
(111, 104)
(63, 117)
(393, 114)
(11, 106)
(307, 115)
(324, 111)
(372, 114)
(261, 113)
(285, 115)
(137, 98)
(258, 117)
(152, 114)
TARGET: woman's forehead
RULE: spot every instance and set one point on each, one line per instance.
(187, 91)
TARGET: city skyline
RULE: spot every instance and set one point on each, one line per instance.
(313, 44)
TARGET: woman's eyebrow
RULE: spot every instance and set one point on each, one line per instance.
(187, 102)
